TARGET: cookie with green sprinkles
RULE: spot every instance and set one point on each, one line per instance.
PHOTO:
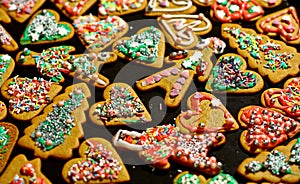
(189, 178)
(121, 106)
(7, 66)
(281, 165)
(57, 131)
(93, 152)
(8, 135)
(44, 27)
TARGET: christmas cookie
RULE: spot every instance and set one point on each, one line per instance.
(283, 23)
(7, 66)
(265, 128)
(53, 62)
(182, 30)
(203, 2)
(20, 170)
(73, 8)
(115, 7)
(146, 47)
(269, 3)
(177, 79)
(20, 11)
(8, 134)
(284, 100)
(222, 178)
(206, 113)
(56, 132)
(44, 27)
(4, 17)
(187, 177)
(27, 97)
(7, 43)
(97, 34)
(281, 165)
(3, 110)
(272, 58)
(94, 152)
(159, 7)
(229, 75)
(215, 44)
(236, 10)
(121, 106)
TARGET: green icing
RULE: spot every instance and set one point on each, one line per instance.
(188, 179)
(223, 178)
(4, 63)
(4, 139)
(295, 153)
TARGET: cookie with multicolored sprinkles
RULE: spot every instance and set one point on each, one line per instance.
(6, 40)
(281, 165)
(57, 131)
(121, 106)
(229, 75)
(93, 152)
(7, 66)
(28, 97)
(272, 58)
(44, 27)
(9, 135)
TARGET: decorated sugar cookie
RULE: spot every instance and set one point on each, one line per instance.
(269, 3)
(121, 106)
(20, 11)
(7, 66)
(177, 79)
(6, 41)
(281, 165)
(44, 27)
(272, 58)
(283, 23)
(53, 62)
(205, 113)
(214, 43)
(222, 178)
(188, 177)
(56, 132)
(266, 128)
(182, 30)
(229, 75)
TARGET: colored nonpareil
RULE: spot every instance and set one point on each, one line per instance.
(21, 7)
(27, 171)
(111, 6)
(4, 63)
(5, 39)
(223, 178)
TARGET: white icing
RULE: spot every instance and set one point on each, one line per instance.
(205, 1)
(221, 13)
(123, 144)
(234, 7)
(256, 8)
(183, 5)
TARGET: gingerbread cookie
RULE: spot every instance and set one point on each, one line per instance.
(9, 134)
(203, 2)
(55, 61)
(235, 10)
(159, 7)
(57, 131)
(146, 47)
(215, 44)
(269, 3)
(7, 66)
(284, 100)
(229, 75)
(21, 170)
(272, 58)
(182, 30)
(4, 17)
(281, 165)
(206, 113)
(44, 27)
(265, 128)
(115, 7)
(20, 11)
(188, 178)
(96, 34)
(6, 41)
(95, 152)
(283, 23)
(73, 8)
(3, 110)
(27, 97)
(177, 79)
(121, 106)
(222, 178)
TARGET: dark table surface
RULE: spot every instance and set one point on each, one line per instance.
(230, 154)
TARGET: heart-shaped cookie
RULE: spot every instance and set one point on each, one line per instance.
(28, 97)
(121, 106)
(55, 61)
(284, 23)
(229, 75)
(177, 79)
(272, 58)
(44, 27)
(206, 113)
(146, 47)
(182, 30)
(56, 132)
(269, 3)
(96, 34)
(7, 66)
(6, 40)
(96, 151)
(114, 7)
(235, 10)
(20, 11)
(265, 128)
(284, 100)
(278, 166)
